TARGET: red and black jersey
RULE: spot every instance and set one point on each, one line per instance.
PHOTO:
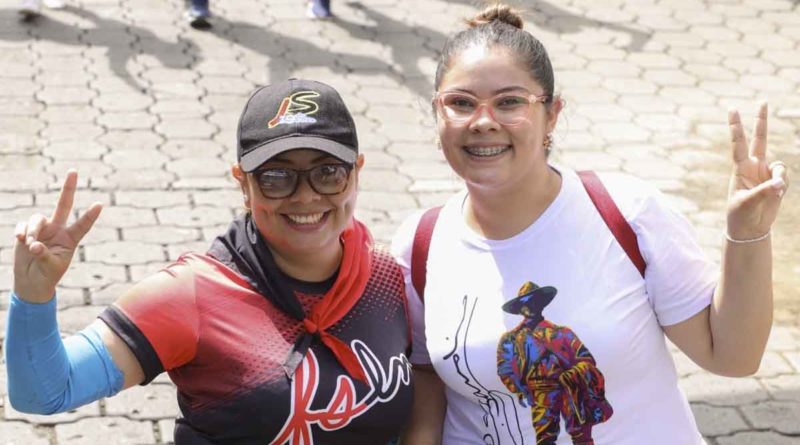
(224, 345)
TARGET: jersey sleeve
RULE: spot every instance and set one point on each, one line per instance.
(679, 278)
(158, 319)
(402, 244)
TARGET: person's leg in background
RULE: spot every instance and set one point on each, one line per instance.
(319, 9)
(198, 14)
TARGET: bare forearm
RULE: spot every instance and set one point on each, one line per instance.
(741, 314)
(430, 405)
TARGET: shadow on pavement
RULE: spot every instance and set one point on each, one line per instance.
(106, 31)
(298, 52)
(546, 15)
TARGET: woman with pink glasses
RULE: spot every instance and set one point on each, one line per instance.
(541, 298)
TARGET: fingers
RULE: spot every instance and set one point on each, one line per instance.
(758, 147)
(20, 231)
(780, 177)
(27, 235)
(738, 140)
(776, 186)
(65, 199)
(34, 227)
(82, 226)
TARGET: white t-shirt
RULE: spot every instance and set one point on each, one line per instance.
(601, 299)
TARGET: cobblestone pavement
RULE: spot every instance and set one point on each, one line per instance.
(145, 108)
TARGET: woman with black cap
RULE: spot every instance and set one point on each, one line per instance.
(290, 330)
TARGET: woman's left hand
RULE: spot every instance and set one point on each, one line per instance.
(756, 187)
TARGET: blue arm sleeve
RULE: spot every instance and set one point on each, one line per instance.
(47, 375)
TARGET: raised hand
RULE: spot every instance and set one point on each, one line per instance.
(44, 247)
(756, 187)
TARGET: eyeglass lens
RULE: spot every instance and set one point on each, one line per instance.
(326, 179)
(505, 108)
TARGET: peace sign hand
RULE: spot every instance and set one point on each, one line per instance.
(44, 247)
(756, 187)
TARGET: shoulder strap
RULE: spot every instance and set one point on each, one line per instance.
(419, 250)
(622, 231)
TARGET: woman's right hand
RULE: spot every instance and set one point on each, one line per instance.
(44, 246)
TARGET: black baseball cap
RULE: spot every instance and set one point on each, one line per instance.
(293, 114)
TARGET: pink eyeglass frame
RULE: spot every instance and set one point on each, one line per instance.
(532, 98)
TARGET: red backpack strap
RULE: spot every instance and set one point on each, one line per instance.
(419, 250)
(613, 217)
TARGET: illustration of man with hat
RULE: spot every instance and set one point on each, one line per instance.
(550, 370)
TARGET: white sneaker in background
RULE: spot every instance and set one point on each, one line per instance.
(54, 4)
(29, 8)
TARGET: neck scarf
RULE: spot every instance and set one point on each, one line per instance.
(243, 249)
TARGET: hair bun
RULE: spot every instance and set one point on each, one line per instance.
(498, 12)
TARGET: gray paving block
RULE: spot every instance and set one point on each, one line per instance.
(117, 430)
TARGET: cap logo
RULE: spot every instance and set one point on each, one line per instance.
(296, 109)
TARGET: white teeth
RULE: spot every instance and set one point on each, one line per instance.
(306, 219)
(486, 151)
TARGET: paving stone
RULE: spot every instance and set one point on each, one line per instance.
(230, 197)
(130, 140)
(71, 132)
(83, 114)
(773, 364)
(385, 201)
(190, 148)
(160, 234)
(110, 102)
(722, 391)
(198, 166)
(186, 128)
(784, 338)
(383, 180)
(83, 198)
(92, 409)
(183, 216)
(21, 124)
(167, 429)
(19, 433)
(124, 252)
(123, 216)
(784, 387)
(180, 107)
(140, 159)
(13, 200)
(144, 402)
(18, 87)
(137, 180)
(757, 438)
(784, 58)
(127, 121)
(778, 416)
(596, 160)
(21, 180)
(116, 430)
(20, 106)
(620, 132)
(794, 359)
(717, 421)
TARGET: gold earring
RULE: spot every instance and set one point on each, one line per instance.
(548, 141)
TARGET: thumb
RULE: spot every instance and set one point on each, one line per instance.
(770, 189)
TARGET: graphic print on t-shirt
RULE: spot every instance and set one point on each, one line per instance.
(551, 371)
(343, 407)
(499, 415)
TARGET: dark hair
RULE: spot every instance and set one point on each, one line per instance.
(500, 25)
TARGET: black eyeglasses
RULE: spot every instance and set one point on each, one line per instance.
(282, 182)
